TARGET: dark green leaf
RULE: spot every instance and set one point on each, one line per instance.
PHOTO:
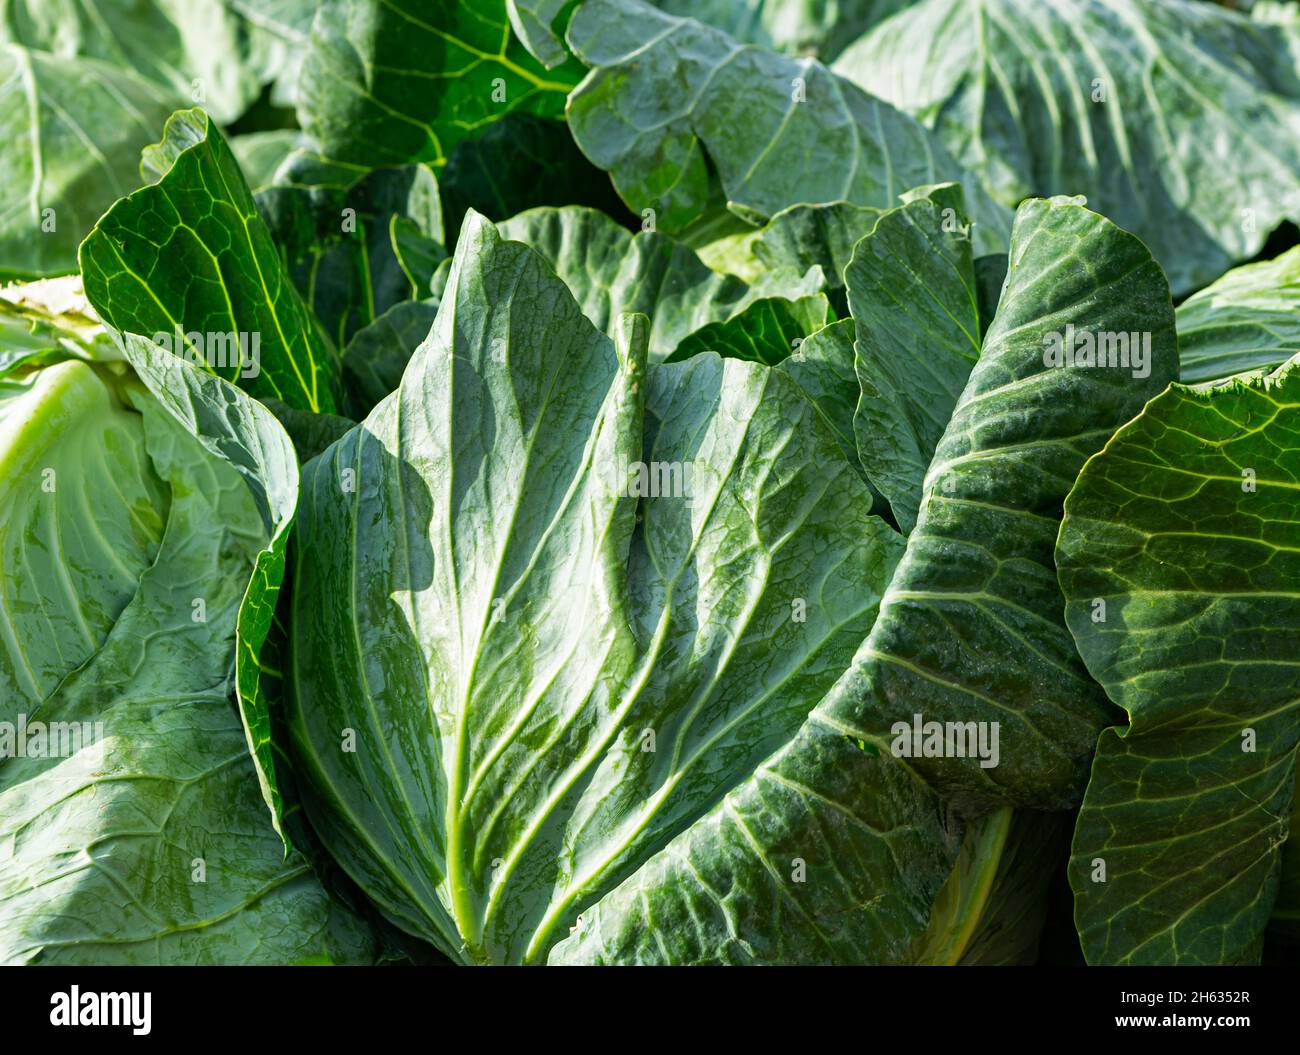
(310, 433)
(354, 252)
(765, 331)
(377, 356)
(1284, 923)
(911, 291)
(522, 162)
(389, 82)
(189, 261)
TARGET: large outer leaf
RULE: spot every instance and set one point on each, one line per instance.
(1198, 641)
(1180, 121)
(153, 505)
(500, 632)
(667, 98)
(610, 271)
(1247, 320)
(238, 432)
(970, 629)
(72, 131)
(817, 358)
(190, 254)
(387, 82)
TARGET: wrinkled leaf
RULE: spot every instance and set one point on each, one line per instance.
(911, 292)
(505, 670)
(668, 100)
(141, 837)
(1179, 121)
(970, 628)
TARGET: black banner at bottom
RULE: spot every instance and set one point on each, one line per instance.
(343, 1006)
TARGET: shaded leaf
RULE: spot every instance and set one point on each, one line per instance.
(522, 162)
(377, 356)
(765, 331)
(341, 244)
(389, 82)
(991, 910)
(911, 291)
